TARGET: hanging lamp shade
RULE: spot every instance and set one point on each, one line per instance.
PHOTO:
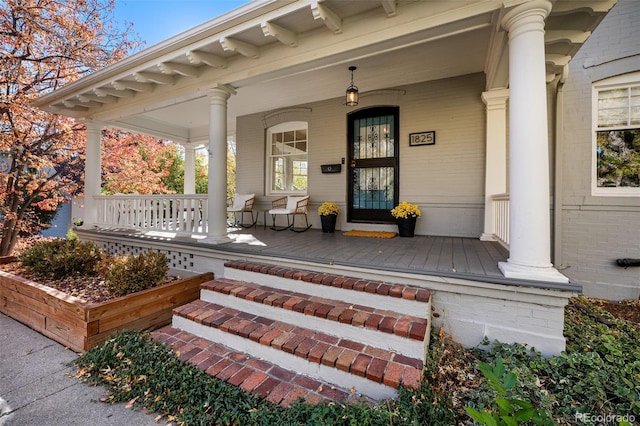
(352, 91)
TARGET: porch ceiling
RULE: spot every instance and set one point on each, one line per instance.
(278, 53)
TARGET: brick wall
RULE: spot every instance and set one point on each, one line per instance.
(596, 230)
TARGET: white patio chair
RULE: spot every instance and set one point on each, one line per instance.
(290, 206)
(241, 203)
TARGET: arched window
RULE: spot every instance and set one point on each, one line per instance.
(287, 164)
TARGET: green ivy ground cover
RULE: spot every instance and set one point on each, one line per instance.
(595, 381)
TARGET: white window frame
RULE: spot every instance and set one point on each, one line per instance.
(618, 82)
(279, 128)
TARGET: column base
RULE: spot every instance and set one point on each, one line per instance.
(215, 239)
(487, 237)
(550, 274)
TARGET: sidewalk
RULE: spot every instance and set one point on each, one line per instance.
(35, 387)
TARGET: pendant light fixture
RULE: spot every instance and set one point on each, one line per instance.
(352, 90)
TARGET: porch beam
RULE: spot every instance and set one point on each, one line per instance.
(89, 97)
(197, 58)
(132, 85)
(573, 37)
(329, 17)
(237, 46)
(110, 91)
(284, 36)
(389, 7)
(182, 69)
(154, 77)
(62, 106)
(72, 103)
(589, 6)
(529, 216)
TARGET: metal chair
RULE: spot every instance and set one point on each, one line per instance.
(291, 206)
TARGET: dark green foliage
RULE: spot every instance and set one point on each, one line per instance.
(60, 258)
(598, 374)
(135, 367)
(129, 274)
(507, 411)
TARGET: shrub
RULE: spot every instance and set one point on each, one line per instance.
(60, 258)
(129, 274)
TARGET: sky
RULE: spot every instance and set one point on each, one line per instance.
(157, 20)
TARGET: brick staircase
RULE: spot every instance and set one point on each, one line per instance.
(286, 334)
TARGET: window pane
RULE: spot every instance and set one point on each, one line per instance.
(635, 105)
(299, 175)
(301, 147)
(288, 157)
(613, 107)
(618, 158)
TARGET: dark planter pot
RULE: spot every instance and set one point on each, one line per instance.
(329, 223)
(406, 227)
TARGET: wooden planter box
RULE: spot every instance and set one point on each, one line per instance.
(81, 325)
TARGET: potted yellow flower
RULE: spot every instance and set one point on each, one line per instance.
(406, 215)
(328, 212)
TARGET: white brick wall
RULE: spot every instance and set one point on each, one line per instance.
(534, 317)
(595, 231)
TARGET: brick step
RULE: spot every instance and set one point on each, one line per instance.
(373, 371)
(262, 378)
(359, 323)
(410, 300)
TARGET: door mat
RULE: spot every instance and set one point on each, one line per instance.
(370, 234)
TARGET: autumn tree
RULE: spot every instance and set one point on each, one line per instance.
(175, 180)
(45, 44)
(137, 164)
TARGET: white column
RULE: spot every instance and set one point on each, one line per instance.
(495, 181)
(92, 172)
(530, 228)
(189, 186)
(217, 188)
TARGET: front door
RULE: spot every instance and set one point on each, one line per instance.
(373, 164)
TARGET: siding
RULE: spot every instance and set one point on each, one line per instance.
(445, 179)
(595, 231)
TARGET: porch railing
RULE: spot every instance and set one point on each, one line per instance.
(500, 204)
(167, 212)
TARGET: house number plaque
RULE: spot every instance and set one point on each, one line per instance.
(422, 138)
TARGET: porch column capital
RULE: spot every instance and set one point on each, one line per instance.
(221, 92)
(527, 17)
(495, 99)
(529, 213)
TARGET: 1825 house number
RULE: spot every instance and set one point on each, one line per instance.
(422, 138)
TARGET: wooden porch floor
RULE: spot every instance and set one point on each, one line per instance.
(467, 258)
